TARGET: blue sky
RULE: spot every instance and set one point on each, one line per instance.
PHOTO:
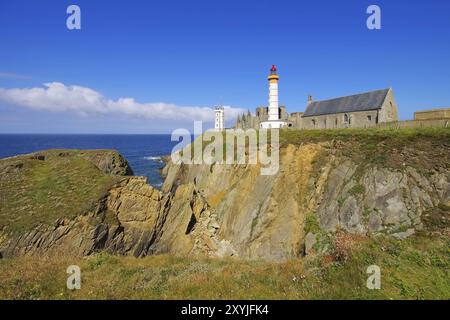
(168, 55)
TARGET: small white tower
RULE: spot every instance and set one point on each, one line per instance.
(273, 109)
(219, 119)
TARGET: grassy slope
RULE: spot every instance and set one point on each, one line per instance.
(422, 148)
(417, 268)
(36, 191)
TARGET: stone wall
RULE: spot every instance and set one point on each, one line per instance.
(388, 111)
(362, 119)
(295, 120)
(442, 123)
(432, 114)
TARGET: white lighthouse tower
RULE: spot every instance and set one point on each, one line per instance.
(219, 119)
(274, 121)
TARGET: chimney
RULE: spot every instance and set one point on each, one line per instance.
(310, 99)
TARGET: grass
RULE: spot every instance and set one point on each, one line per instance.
(371, 134)
(417, 268)
(311, 223)
(34, 192)
(357, 190)
(425, 149)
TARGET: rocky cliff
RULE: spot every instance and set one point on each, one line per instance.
(360, 184)
(77, 203)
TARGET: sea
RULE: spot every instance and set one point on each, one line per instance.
(143, 152)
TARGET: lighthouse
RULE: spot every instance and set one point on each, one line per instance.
(273, 121)
(219, 119)
(273, 94)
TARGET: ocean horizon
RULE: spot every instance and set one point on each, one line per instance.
(143, 151)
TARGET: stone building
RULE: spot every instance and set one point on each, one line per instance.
(355, 111)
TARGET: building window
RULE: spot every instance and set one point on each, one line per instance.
(313, 123)
(369, 117)
(325, 123)
(349, 120)
(345, 117)
(336, 122)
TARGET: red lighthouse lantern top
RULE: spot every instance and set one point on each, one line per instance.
(273, 76)
(273, 70)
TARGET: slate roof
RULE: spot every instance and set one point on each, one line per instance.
(372, 100)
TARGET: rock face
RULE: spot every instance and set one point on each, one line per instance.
(264, 216)
(123, 222)
(380, 199)
(108, 161)
(223, 210)
(261, 216)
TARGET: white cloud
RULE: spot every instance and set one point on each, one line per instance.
(57, 97)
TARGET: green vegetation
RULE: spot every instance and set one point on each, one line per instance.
(367, 135)
(366, 214)
(421, 148)
(416, 268)
(311, 223)
(356, 190)
(50, 185)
